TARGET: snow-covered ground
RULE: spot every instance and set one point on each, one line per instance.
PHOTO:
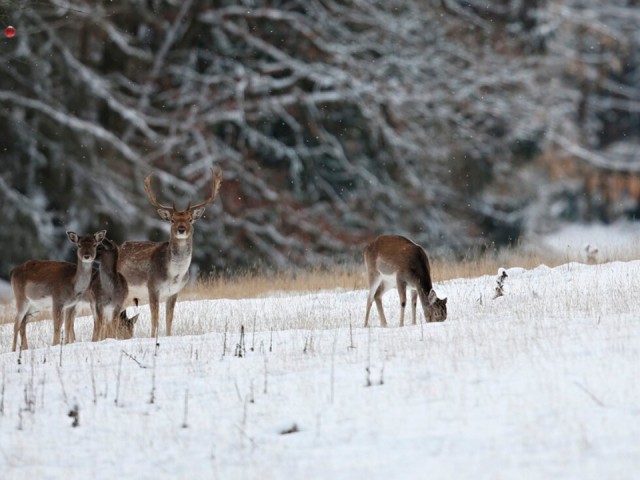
(539, 383)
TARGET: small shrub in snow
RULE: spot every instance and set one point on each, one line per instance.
(502, 276)
(75, 414)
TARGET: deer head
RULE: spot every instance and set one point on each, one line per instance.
(437, 311)
(126, 325)
(182, 220)
(107, 246)
(87, 244)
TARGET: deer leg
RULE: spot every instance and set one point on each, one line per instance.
(366, 316)
(23, 334)
(378, 298)
(69, 319)
(98, 323)
(402, 292)
(154, 307)
(105, 324)
(114, 324)
(414, 303)
(57, 323)
(109, 324)
(170, 305)
(20, 325)
(372, 290)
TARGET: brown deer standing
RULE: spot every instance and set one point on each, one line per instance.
(159, 270)
(58, 285)
(107, 293)
(395, 261)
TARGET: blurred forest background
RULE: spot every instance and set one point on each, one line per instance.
(463, 124)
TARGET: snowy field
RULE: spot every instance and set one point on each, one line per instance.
(618, 241)
(539, 383)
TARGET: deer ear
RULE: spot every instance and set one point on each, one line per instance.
(197, 213)
(73, 236)
(99, 236)
(432, 297)
(134, 319)
(164, 215)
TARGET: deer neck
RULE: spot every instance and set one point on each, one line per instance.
(423, 292)
(107, 273)
(180, 250)
(82, 278)
(425, 286)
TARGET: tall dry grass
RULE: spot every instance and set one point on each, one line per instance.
(353, 277)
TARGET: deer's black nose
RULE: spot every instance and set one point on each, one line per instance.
(87, 257)
(181, 230)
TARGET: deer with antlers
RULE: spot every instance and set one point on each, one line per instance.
(58, 285)
(159, 270)
(395, 261)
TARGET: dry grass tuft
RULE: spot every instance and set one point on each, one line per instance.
(488, 263)
(250, 284)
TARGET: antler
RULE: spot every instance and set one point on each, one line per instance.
(152, 198)
(216, 180)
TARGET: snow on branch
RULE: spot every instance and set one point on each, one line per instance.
(73, 122)
(594, 158)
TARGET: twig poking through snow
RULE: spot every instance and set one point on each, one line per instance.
(186, 409)
(61, 342)
(333, 366)
(292, 429)
(224, 342)
(240, 347)
(141, 365)
(308, 344)
(2, 392)
(368, 368)
(157, 342)
(351, 345)
(93, 381)
(152, 396)
(64, 392)
(253, 336)
(118, 378)
(266, 374)
(591, 395)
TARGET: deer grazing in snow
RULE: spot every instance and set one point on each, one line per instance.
(159, 270)
(58, 285)
(107, 293)
(395, 261)
(122, 328)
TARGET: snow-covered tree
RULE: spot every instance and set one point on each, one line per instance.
(333, 120)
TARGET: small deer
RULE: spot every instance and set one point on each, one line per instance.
(159, 270)
(107, 293)
(59, 285)
(395, 261)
